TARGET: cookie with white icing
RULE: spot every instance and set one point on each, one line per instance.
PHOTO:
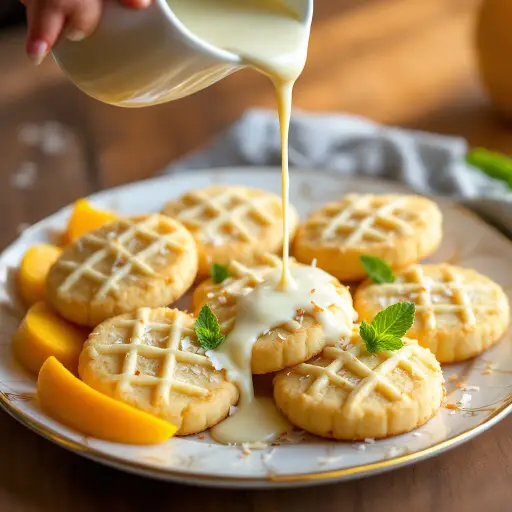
(459, 312)
(349, 394)
(149, 260)
(292, 342)
(151, 359)
(400, 229)
(232, 223)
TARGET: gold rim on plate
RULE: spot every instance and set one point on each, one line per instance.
(319, 477)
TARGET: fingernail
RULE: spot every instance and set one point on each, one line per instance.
(37, 51)
(75, 35)
(142, 3)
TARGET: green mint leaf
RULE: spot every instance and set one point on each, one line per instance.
(388, 342)
(219, 272)
(377, 269)
(388, 327)
(495, 165)
(207, 329)
(368, 335)
(395, 320)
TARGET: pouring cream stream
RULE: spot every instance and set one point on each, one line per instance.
(269, 37)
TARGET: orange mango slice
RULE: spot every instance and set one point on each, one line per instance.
(85, 218)
(43, 334)
(69, 400)
(34, 268)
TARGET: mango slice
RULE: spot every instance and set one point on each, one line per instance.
(69, 400)
(34, 268)
(85, 218)
(43, 334)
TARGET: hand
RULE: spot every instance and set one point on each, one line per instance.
(74, 19)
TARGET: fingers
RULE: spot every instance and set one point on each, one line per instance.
(44, 26)
(47, 19)
(83, 19)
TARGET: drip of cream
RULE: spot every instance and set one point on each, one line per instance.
(310, 291)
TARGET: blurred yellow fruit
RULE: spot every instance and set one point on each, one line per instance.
(34, 268)
(74, 403)
(85, 218)
(494, 51)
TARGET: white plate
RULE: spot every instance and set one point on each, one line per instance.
(302, 459)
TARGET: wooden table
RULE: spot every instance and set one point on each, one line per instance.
(404, 62)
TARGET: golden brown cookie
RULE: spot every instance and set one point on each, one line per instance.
(149, 260)
(350, 394)
(232, 223)
(459, 312)
(282, 346)
(151, 360)
(400, 229)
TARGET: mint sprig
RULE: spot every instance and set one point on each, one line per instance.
(377, 269)
(207, 329)
(219, 273)
(388, 327)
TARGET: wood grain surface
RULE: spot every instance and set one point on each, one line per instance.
(403, 62)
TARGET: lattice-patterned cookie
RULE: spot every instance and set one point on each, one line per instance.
(232, 223)
(349, 394)
(400, 229)
(459, 312)
(150, 260)
(282, 346)
(151, 359)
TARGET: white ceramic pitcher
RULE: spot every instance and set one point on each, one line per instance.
(138, 58)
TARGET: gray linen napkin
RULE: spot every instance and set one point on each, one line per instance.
(353, 146)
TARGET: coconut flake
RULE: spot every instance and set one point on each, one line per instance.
(394, 451)
(212, 356)
(25, 176)
(186, 344)
(470, 388)
(327, 461)
(258, 445)
(465, 400)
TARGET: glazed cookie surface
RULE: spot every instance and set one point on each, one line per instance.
(281, 346)
(151, 359)
(232, 223)
(401, 229)
(149, 260)
(347, 393)
(459, 312)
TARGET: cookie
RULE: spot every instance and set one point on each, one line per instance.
(149, 260)
(400, 229)
(349, 394)
(282, 346)
(151, 360)
(459, 312)
(232, 223)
